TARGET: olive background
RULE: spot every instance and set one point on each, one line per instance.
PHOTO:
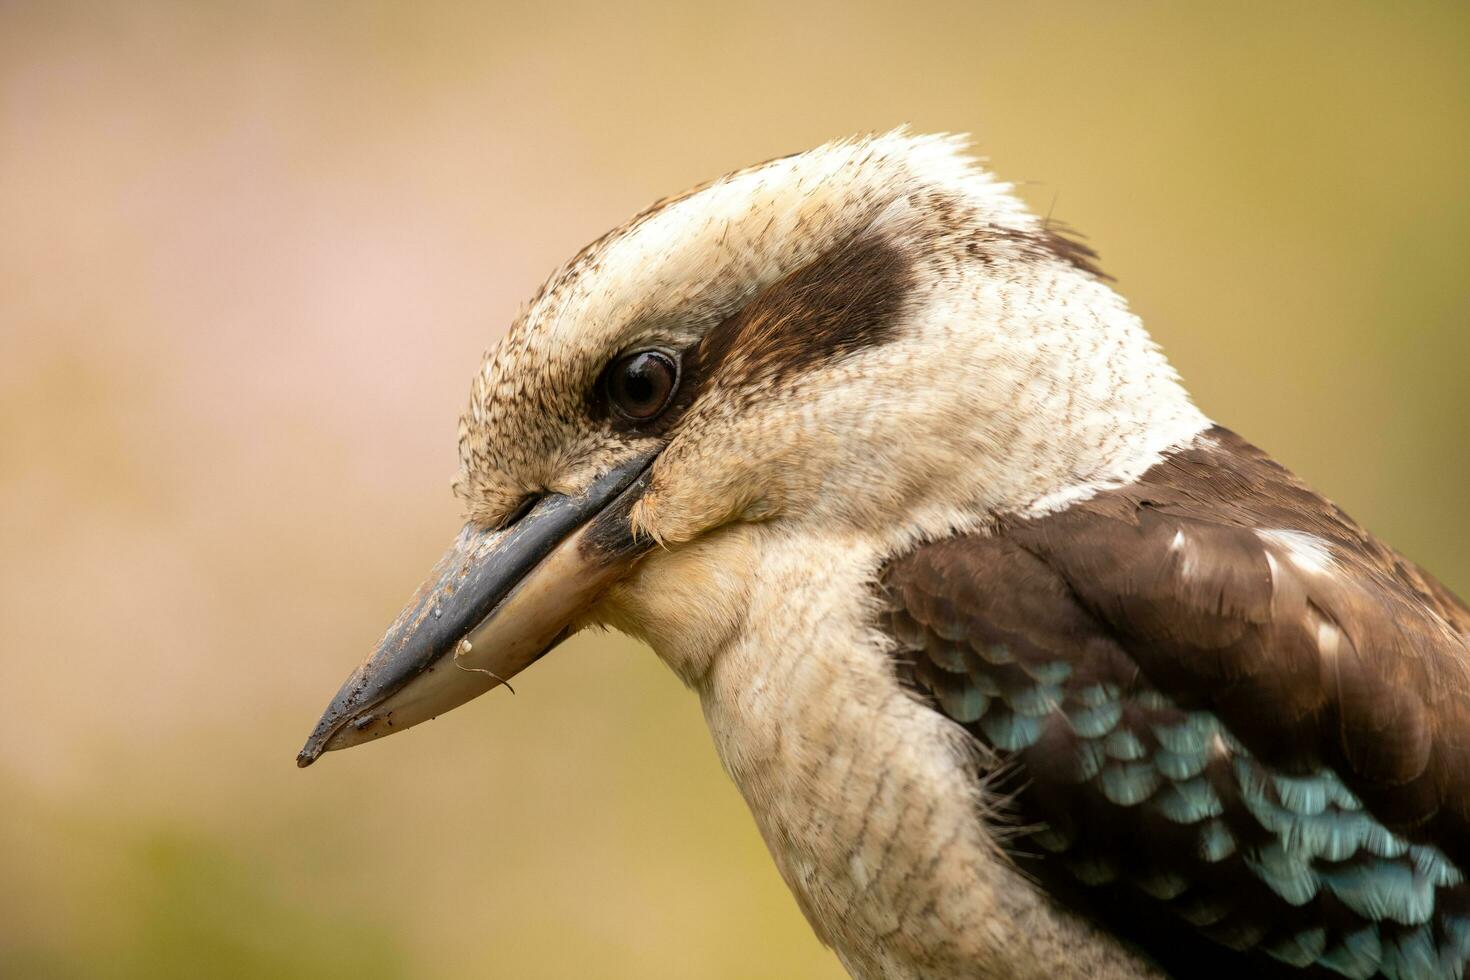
(250, 254)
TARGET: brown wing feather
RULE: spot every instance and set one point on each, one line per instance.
(1362, 665)
(1092, 647)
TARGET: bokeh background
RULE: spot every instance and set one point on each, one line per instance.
(250, 254)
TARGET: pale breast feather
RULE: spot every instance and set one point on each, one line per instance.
(1234, 725)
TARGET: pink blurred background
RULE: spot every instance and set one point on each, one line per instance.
(250, 255)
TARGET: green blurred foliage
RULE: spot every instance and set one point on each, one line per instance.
(148, 898)
(249, 254)
(189, 906)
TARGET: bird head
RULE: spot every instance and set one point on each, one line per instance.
(874, 339)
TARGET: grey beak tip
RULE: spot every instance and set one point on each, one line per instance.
(577, 540)
(316, 744)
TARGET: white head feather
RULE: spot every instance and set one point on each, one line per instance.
(883, 346)
(1016, 379)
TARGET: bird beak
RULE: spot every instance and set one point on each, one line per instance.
(494, 604)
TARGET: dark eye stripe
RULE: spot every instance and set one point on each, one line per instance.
(839, 304)
(848, 300)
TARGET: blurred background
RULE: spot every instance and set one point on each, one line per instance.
(250, 255)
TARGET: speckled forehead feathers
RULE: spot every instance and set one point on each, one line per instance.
(691, 262)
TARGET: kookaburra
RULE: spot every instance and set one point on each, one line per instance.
(1025, 667)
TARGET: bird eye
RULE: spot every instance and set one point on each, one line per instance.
(640, 385)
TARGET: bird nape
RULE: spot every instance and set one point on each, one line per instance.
(1025, 667)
